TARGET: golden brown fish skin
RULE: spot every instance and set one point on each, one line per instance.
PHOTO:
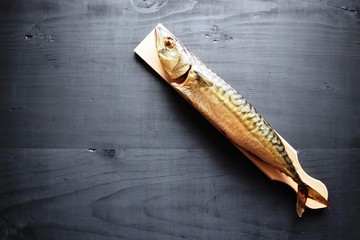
(227, 110)
(235, 117)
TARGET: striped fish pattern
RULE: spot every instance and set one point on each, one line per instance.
(227, 110)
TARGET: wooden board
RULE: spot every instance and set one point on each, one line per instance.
(70, 81)
(146, 50)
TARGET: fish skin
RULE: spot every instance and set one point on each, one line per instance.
(227, 110)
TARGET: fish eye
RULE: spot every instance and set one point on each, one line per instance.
(169, 42)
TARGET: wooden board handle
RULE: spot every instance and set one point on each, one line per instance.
(147, 51)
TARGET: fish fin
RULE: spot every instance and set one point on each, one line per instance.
(301, 199)
(304, 192)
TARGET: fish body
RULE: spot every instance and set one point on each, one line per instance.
(227, 110)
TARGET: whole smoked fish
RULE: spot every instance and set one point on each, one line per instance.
(227, 110)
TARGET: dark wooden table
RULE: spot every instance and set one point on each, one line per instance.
(95, 145)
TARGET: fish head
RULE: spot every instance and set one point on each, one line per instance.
(173, 56)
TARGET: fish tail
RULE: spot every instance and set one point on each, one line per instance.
(304, 192)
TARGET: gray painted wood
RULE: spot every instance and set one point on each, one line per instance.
(168, 194)
(69, 81)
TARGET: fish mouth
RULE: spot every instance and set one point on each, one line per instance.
(160, 35)
(165, 41)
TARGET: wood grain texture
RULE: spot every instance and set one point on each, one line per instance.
(69, 81)
(74, 82)
(168, 194)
